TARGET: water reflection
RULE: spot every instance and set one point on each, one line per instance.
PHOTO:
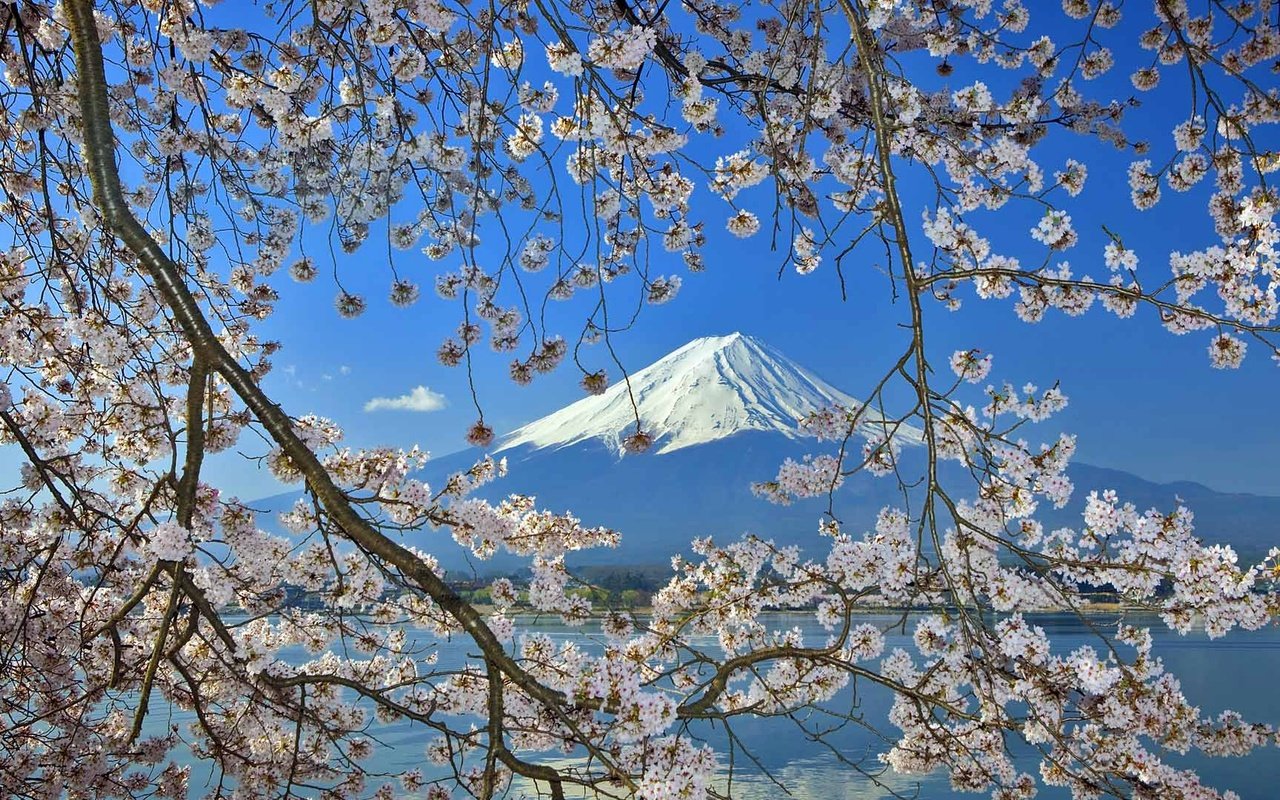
(802, 779)
(1238, 672)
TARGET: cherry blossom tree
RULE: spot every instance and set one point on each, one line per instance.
(164, 163)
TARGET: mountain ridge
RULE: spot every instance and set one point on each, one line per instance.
(724, 413)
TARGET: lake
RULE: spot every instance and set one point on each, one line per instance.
(1238, 672)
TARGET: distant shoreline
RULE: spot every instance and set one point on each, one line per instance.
(647, 611)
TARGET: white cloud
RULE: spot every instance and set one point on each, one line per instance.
(420, 399)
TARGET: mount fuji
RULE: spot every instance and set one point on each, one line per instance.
(723, 412)
(710, 389)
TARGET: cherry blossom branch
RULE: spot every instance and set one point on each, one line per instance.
(100, 150)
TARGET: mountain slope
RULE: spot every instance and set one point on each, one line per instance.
(660, 502)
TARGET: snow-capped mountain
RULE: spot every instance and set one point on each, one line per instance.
(723, 411)
(710, 389)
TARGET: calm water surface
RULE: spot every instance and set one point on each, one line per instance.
(1239, 672)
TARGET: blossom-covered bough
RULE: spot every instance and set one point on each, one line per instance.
(162, 161)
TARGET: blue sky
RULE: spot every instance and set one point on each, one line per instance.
(1142, 399)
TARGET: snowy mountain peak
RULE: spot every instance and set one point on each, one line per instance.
(709, 389)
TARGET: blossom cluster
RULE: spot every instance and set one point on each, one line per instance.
(420, 137)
